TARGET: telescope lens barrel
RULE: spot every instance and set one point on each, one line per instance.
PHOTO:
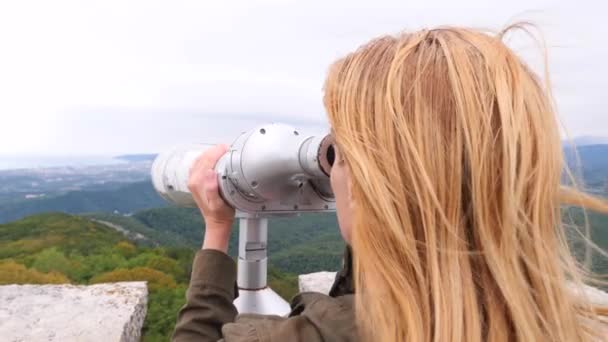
(171, 170)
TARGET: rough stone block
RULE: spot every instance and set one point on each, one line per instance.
(112, 312)
(316, 282)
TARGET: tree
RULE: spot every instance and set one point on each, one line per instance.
(156, 279)
(162, 313)
(14, 273)
(51, 259)
(126, 249)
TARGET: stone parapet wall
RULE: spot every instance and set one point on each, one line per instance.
(112, 312)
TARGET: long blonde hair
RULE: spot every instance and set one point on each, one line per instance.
(455, 158)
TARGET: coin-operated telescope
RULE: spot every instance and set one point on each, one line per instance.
(272, 170)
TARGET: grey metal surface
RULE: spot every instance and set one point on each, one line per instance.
(171, 170)
(271, 169)
(254, 294)
(252, 260)
(265, 302)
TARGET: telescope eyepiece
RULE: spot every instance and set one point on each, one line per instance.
(331, 155)
(326, 155)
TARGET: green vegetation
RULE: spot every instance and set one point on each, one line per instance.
(152, 237)
(126, 199)
(60, 248)
(57, 248)
(298, 244)
(157, 245)
(598, 234)
(15, 273)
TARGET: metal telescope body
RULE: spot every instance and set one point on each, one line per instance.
(272, 170)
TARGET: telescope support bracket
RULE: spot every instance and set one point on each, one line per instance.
(254, 294)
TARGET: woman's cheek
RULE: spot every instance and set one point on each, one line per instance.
(338, 183)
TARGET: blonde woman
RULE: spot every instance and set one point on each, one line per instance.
(447, 185)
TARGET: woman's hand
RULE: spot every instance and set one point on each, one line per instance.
(204, 186)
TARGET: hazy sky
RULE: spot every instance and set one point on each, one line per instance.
(106, 77)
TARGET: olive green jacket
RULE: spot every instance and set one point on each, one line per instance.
(209, 314)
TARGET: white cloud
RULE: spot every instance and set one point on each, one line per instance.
(74, 74)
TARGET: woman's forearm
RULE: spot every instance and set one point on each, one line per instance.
(216, 237)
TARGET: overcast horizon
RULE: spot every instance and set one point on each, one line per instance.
(120, 77)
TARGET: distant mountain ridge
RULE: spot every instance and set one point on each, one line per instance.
(125, 199)
(593, 168)
(137, 157)
(587, 140)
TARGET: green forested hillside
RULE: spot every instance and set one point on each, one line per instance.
(298, 244)
(598, 233)
(126, 199)
(157, 242)
(60, 248)
(168, 226)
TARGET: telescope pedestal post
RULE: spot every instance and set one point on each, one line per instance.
(254, 294)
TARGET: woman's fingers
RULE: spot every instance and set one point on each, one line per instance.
(204, 185)
(211, 156)
(205, 162)
(208, 159)
(211, 189)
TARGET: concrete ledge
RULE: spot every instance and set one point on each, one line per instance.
(112, 312)
(322, 282)
(316, 282)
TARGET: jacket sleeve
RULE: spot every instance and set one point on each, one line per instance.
(209, 314)
(208, 299)
(315, 317)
